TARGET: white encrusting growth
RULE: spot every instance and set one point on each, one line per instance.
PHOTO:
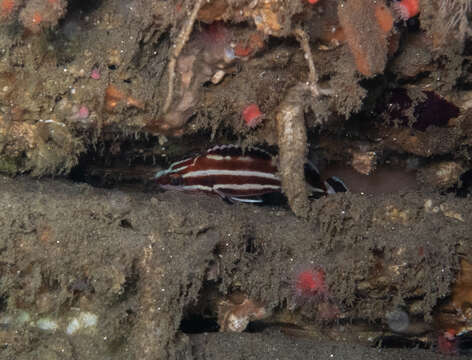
(85, 320)
(73, 326)
(47, 324)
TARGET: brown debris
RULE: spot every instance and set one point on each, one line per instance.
(115, 97)
(421, 143)
(462, 290)
(457, 313)
(442, 175)
(179, 44)
(292, 138)
(212, 11)
(366, 27)
(235, 312)
(364, 162)
(291, 133)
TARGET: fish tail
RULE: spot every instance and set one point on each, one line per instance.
(335, 185)
(318, 187)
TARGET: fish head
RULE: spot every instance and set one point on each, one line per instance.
(169, 180)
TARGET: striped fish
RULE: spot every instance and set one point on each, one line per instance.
(235, 175)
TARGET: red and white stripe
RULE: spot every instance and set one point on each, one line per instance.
(229, 172)
(225, 171)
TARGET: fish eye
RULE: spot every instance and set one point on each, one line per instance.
(175, 180)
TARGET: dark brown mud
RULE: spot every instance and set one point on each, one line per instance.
(275, 346)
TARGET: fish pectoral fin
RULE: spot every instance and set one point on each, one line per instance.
(252, 200)
(224, 196)
(233, 199)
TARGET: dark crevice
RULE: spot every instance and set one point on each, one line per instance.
(400, 342)
(125, 223)
(195, 324)
(201, 316)
(83, 6)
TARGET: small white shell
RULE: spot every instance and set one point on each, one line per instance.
(217, 77)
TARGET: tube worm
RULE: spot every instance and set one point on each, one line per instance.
(292, 139)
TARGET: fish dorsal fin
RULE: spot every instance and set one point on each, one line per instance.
(235, 150)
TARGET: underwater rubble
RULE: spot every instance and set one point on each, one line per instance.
(96, 273)
(375, 94)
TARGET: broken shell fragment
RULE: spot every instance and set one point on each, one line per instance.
(218, 76)
(234, 315)
(364, 162)
(442, 175)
